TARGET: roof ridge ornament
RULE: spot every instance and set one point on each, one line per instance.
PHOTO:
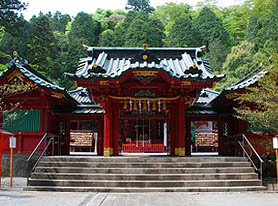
(145, 56)
(17, 60)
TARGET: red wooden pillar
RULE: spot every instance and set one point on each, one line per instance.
(173, 133)
(100, 138)
(116, 119)
(181, 127)
(108, 150)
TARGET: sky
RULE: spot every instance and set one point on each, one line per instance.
(72, 7)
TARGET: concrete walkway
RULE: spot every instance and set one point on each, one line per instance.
(17, 197)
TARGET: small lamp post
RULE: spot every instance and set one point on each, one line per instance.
(12, 146)
(275, 146)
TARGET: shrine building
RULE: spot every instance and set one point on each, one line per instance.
(137, 100)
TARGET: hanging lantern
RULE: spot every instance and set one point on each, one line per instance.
(125, 104)
(144, 105)
(140, 105)
(149, 105)
(159, 106)
(135, 108)
(154, 106)
(130, 105)
(164, 107)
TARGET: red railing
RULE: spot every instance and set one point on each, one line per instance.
(140, 148)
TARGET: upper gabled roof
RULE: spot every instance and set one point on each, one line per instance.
(28, 72)
(112, 63)
(247, 81)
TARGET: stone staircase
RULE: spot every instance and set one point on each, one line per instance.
(144, 174)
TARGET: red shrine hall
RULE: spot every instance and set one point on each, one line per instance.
(127, 100)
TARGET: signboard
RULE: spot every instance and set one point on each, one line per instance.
(12, 142)
(275, 142)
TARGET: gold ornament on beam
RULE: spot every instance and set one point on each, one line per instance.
(145, 47)
(164, 107)
(135, 108)
(144, 105)
(154, 106)
(125, 105)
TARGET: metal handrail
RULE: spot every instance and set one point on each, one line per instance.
(37, 147)
(46, 146)
(242, 145)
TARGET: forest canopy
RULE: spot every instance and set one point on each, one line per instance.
(238, 38)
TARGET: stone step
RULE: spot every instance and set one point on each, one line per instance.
(149, 183)
(111, 176)
(147, 189)
(144, 165)
(142, 159)
(144, 170)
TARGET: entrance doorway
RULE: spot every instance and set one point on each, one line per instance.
(143, 134)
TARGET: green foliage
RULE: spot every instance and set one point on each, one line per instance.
(235, 21)
(261, 111)
(242, 60)
(217, 55)
(170, 12)
(183, 34)
(140, 5)
(9, 17)
(210, 27)
(252, 31)
(107, 38)
(3, 67)
(86, 28)
(145, 29)
(59, 22)
(43, 46)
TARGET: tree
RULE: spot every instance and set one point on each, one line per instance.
(145, 30)
(140, 5)
(217, 55)
(170, 12)
(183, 34)
(242, 60)
(9, 17)
(210, 27)
(43, 47)
(86, 28)
(261, 110)
(106, 38)
(59, 22)
(252, 31)
(236, 21)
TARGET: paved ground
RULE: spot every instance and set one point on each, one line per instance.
(17, 197)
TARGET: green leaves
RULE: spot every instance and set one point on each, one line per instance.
(261, 102)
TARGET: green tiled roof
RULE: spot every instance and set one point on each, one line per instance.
(112, 63)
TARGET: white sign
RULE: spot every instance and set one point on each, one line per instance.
(12, 142)
(275, 142)
(165, 134)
